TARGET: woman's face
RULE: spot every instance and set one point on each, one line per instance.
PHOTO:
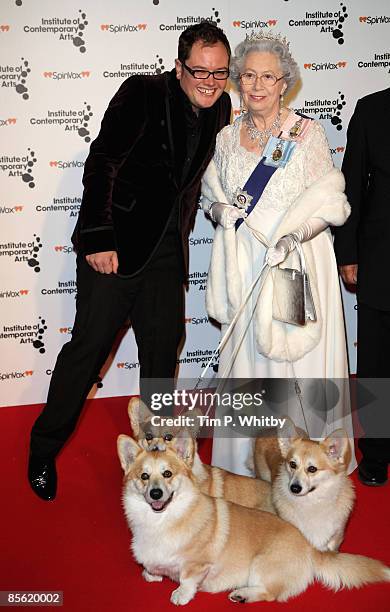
(262, 97)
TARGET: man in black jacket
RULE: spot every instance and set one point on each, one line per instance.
(141, 188)
(362, 251)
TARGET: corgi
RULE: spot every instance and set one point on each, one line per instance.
(310, 486)
(214, 545)
(214, 481)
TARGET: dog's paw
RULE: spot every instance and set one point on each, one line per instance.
(151, 577)
(181, 597)
(236, 597)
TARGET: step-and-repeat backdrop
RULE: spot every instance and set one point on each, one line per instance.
(60, 64)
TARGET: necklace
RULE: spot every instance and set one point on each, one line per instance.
(260, 135)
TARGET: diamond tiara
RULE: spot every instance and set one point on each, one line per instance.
(268, 35)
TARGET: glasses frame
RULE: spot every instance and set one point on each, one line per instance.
(210, 73)
(258, 76)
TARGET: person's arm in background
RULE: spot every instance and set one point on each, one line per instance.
(355, 170)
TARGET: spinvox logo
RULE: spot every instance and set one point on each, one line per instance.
(66, 249)
(125, 365)
(60, 76)
(196, 320)
(254, 24)
(11, 210)
(337, 150)
(15, 375)
(324, 66)
(124, 28)
(13, 293)
(65, 165)
(9, 121)
(379, 19)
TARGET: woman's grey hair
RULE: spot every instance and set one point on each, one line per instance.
(266, 45)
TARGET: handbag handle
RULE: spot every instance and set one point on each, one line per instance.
(301, 256)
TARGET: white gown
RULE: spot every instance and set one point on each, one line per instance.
(328, 359)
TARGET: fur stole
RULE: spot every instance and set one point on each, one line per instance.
(279, 341)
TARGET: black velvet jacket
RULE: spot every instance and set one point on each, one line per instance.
(132, 176)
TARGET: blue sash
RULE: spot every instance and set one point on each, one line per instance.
(256, 184)
(277, 153)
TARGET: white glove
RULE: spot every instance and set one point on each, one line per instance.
(226, 215)
(277, 254)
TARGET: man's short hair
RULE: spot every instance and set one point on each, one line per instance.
(207, 32)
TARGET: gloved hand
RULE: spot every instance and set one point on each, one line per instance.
(308, 230)
(225, 214)
(277, 254)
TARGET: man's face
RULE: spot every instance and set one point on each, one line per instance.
(203, 93)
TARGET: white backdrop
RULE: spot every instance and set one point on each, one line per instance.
(61, 62)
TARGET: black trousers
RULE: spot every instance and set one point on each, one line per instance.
(373, 362)
(154, 302)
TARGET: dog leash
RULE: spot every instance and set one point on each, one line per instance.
(262, 275)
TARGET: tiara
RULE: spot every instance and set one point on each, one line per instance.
(268, 35)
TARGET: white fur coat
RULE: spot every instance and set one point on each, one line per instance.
(324, 198)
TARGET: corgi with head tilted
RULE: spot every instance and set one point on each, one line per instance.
(310, 485)
(214, 481)
(213, 545)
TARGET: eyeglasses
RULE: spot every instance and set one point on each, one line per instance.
(219, 75)
(268, 79)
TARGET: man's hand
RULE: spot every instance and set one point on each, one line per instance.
(105, 262)
(349, 274)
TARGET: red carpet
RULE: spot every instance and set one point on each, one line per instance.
(79, 544)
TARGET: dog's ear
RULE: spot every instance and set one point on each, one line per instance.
(138, 413)
(337, 447)
(128, 449)
(194, 416)
(184, 446)
(286, 435)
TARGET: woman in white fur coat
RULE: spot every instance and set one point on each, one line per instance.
(272, 182)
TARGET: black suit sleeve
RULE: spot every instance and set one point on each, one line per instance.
(228, 111)
(122, 126)
(356, 172)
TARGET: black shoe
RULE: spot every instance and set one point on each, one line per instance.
(42, 476)
(373, 473)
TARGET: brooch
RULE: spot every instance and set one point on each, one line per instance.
(296, 129)
(277, 154)
(242, 199)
